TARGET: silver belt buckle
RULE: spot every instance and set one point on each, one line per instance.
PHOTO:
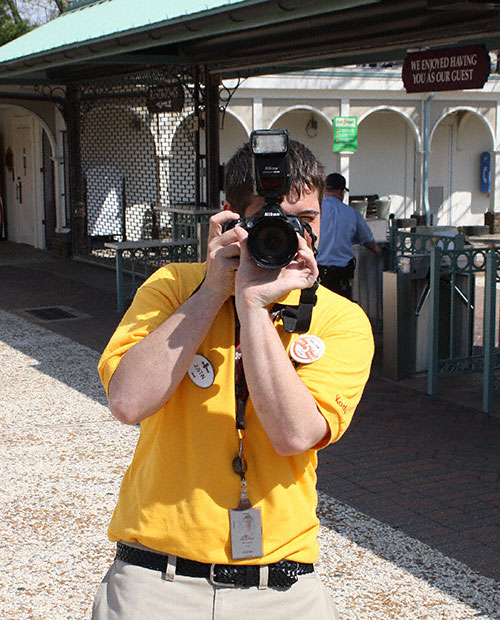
(214, 582)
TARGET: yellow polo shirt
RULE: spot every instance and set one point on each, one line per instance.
(177, 492)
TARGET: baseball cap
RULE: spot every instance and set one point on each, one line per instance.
(335, 181)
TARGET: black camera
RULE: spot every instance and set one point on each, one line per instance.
(272, 235)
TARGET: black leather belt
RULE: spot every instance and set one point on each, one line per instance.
(282, 574)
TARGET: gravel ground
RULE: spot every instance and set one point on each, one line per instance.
(63, 456)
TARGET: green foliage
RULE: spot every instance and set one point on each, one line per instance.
(10, 31)
(20, 16)
(11, 25)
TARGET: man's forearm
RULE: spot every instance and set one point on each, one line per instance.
(152, 369)
(284, 405)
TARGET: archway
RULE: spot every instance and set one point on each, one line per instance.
(30, 177)
(385, 162)
(312, 128)
(457, 141)
(234, 133)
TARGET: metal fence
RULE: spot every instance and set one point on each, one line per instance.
(142, 163)
(479, 317)
(461, 291)
(137, 260)
(404, 243)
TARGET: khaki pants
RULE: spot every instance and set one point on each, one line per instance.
(130, 592)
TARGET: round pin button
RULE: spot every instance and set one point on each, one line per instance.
(307, 349)
(201, 372)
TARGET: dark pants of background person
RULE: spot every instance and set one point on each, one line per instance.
(338, 279)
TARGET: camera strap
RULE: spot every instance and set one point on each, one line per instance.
(297, 319)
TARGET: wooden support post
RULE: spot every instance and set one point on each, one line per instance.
(76, 189)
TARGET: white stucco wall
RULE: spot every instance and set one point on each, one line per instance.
(391, 140)
(385, 161)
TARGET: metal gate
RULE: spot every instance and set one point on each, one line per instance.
(140, 157)
(459, 289)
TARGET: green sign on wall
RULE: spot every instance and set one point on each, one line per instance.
(345, 133)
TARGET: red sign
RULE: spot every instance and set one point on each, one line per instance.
(456, 68)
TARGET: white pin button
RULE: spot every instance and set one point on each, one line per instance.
(201, 372)
(307, 349)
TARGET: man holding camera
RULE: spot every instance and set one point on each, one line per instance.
(235, 392)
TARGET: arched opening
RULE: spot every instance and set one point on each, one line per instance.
(385, 162)
(313, 129)
(29, 179)
(457, 141)
(233, 135)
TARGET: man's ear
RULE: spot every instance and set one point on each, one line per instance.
(226, 207)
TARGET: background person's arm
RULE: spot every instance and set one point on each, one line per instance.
(373, 247)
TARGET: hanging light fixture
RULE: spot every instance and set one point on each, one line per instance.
(312, 127)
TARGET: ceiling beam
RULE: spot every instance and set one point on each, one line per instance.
(156, 59)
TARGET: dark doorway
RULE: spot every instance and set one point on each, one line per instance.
(49, 194)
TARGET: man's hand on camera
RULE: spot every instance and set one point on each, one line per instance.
(284, 405)
(258, 288)
(223, 256)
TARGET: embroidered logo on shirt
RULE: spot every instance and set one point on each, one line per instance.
(342, 405)
(201, 372)
(307, 349)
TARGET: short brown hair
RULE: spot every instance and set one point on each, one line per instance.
(305, 173)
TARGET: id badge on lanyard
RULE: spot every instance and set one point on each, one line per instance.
(245, 521)
(246, 530)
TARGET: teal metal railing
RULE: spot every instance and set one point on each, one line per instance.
(489, 330)
(456, 310)
(137, 260)
(185, 223)
(402, 243)
(446, 266)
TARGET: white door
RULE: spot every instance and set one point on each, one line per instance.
(24, 190)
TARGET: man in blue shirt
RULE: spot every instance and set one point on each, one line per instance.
(341, 227)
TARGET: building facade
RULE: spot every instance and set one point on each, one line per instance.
(424, 151)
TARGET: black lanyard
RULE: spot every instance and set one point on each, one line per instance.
(241, 397)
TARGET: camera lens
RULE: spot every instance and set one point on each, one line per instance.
(272, 242)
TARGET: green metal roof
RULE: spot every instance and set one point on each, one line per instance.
(104, 18)
(107, 37)
(90, 22)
